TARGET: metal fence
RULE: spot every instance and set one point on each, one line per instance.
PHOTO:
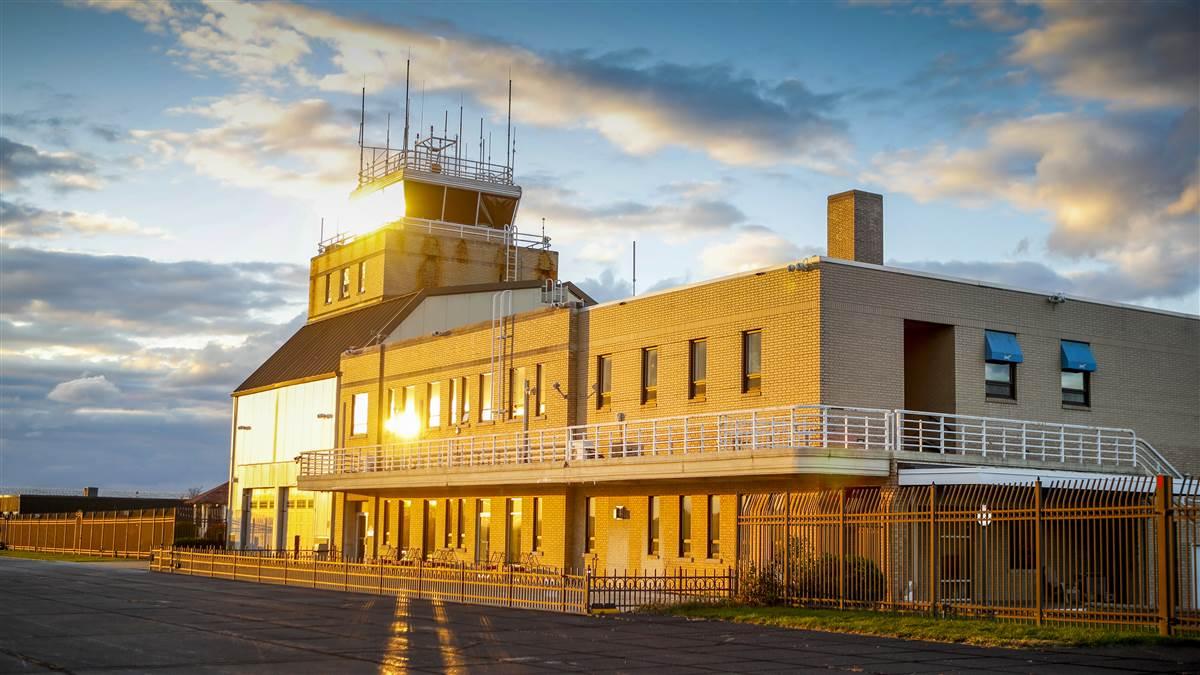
(1121, 552)
(633, 589)
(504, 587)
(120, 534)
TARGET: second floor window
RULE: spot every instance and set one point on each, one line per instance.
(345, 282)
(697, 369)
(603, 381)
(649, 375)
(485, 397)
(434, 399)
(328, 288)
(516, 392)
(752, 362)
(362, 277)
(539, 391)
(1076, 387)
(359, 408)
(1000, 380)
(455, 400)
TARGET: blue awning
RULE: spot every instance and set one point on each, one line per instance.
(1001, 347)
(1078, 356)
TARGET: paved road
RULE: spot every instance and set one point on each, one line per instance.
(112, 618)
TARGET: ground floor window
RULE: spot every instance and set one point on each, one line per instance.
(512, 540)
(483, 529)
(589, 541)
(685, 526)
(714, 526)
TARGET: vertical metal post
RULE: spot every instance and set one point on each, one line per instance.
(932, 549)
(1039, 564)
(842, 548)
(1163, 498)
(787, 546)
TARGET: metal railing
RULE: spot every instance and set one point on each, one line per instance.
(1120, 552)
(506, 236)
(119, 534)
(717, 433)
(379, 162)
(960, 439)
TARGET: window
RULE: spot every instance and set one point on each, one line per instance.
(1076, 387)
(461, 525)
(362, 277)
(516, 392)
(434, 400)
(654, 514)
(649, 376)
(448, 525)
(358, 413)
(537, 524)
(455, 395)
(345, 282)
(483, 529)
(1078, 364)
(685, 527)
(485, 397)
(752, 362)
(512, 542)
(539, 385)
(428, 528)
(410, 400)
(1002, 353)
(1000, 380)
(466, 401)
(589, 533)
(697, 369)
(329, 288)
(603, 381)
(714, 526)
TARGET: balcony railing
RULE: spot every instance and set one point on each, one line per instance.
(958, 439)
(506, 236)
(379, 162)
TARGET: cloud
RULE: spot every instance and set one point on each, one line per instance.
(66, 171)
(681, 214)
(85, 390)
(22, 221)
(606, 286)
(299, 150)
(1122, 190)
(639, 104)
(162, 345)
(1133, 54)
(751, 248)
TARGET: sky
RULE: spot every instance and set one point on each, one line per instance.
(164, 169)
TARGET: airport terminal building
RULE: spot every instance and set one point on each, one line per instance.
(451, 399)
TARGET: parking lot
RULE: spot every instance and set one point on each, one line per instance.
(117, 618)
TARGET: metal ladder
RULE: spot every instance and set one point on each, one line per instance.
(502, 350)
(511, 255)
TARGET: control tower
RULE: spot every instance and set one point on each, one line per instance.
(434, 214)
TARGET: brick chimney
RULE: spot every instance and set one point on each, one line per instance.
(856, 226)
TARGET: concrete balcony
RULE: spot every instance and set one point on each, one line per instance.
(810, 439)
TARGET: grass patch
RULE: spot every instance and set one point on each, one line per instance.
(60, 557)
(918, 627)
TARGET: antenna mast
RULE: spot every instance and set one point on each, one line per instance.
(362, 121)
(407, 67)
(508, 135)
(635, 266)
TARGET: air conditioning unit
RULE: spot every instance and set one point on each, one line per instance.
(620, 513)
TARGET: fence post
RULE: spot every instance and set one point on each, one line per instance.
(842, 548)
(285, 570)
(932, 549)
(345, 574)
(562, 582)
(1163, 500)
(787, 546)
(1039, 566)
(380, 563)
(462, 578)
(420, 574)
(587, 591)
(510, 586)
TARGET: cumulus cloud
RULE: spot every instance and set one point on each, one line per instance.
(1133, 54)
(300, 150)
(606, 286)
(751, 248)
(85, 390)
(639, 104)
(65, 171)
(1120, 189)
(22, 221)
